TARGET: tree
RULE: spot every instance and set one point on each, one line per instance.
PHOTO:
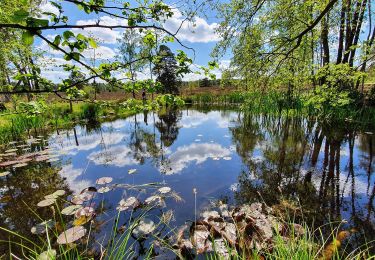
(145, 17)
(130, 52)
(285, 43)
(166, 70)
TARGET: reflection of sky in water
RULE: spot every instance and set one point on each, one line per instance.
(184, 163)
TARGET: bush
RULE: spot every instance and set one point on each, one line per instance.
(90, 112)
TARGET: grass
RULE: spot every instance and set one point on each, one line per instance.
(15, 126)
(302, 243)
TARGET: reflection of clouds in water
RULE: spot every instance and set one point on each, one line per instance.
(115, 124)
(86, 143)
(234, 187)
(345, 185)
(344, 151)
(194, 152)
(119, 156)
(71, 175)
(192, 120)
(257, 159)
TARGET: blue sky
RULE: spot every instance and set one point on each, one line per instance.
(201, 37)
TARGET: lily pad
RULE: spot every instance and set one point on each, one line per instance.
(51, 196)
(86, 211)
(81, 221)
(153, 199)
(104, 189)
(46, 202)
(71, 235)
(164, 190)
(85, 196)
(59, 192)
(2, 174)
(41, 227)
(104, 180)
(144, 227)
(132, 171)
(71, 210)
(9, 154)
(131, 202)
(20, 165)
(11, 150)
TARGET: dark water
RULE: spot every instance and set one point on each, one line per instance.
(327, 169)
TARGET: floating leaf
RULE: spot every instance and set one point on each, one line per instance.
(51, 196)
(104, 180)
(144, 227)
(41, 227)
(86, 211)
(131, 202)
(81, 221)
(164, 190)
(2, 174)
(41, 158)
(154, 199)
(46, 202)
(47, 255)
(85, 196)
(104, 189)
(71, 210)
(71, 235)
(9, 154)
(11, 150)
(59, 192)
(132, 171)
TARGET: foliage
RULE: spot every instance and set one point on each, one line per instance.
(166, 69)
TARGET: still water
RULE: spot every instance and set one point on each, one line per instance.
(223, 154)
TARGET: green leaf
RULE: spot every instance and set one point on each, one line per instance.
(20, 15)
(68, 34)
(27, 38)
(92, 43)
(57, 40)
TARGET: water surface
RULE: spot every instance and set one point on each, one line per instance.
(223, 154)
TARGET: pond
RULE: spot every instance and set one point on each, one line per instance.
(222, 154)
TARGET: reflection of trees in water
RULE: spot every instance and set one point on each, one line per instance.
(303, 159)
(20, 193)
(168, 125)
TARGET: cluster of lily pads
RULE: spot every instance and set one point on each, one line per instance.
(18, 154)
(248, 228)
(81, 208)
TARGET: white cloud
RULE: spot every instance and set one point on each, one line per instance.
(101, 52)
(194, 152)
(104, 35)
(197, 31)
(86, 143)
(47, 7)
(71, 175)
(115, 156)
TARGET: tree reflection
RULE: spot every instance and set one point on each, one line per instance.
(309, 163)
(20, 193)
(168, 125)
